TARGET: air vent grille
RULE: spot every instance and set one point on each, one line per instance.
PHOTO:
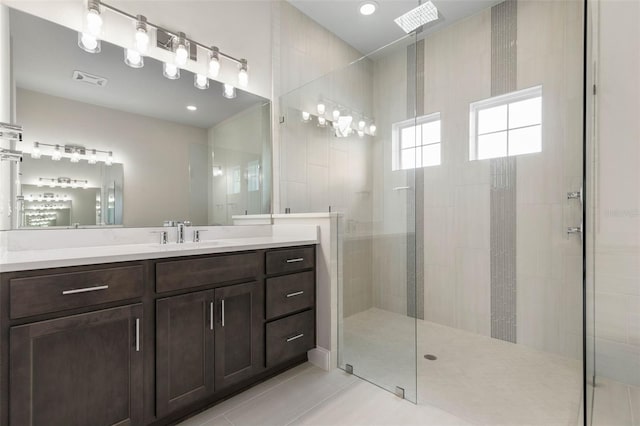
(84, 77)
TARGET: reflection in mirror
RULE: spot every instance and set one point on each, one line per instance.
(106, 144)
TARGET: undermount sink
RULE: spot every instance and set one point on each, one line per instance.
(190, 245)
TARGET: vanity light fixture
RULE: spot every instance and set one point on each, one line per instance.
(171, 71)
(321, 108)
(336, 114)
(35, 152)
(361, 125)
(93, 159)
(89, 43)
(360, 133)
(181, 49)
(322, 122)
(109, 160)
(228, 91)
(75, 157)
(201, 81)
(141, 38)
(57, 154)
(93, 18)
(372, 129)
(306, 117)
(243, 74)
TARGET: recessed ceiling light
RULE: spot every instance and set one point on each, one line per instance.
(368, 8)
(192, 107)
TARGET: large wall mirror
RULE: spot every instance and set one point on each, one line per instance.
(106, 144)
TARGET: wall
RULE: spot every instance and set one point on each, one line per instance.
(239, 28)
(616, 196)
(155, 153)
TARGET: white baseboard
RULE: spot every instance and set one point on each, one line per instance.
(320, 357)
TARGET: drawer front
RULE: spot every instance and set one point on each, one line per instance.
(290, 337)
(181, 274)
(290, 260)
(290, 293)
(57, 292)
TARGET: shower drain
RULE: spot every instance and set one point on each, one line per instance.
(430, 357)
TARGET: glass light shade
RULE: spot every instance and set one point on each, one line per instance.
(361, 125)
(142, 40)
(133, 58)
(243, 77)
(322, 121)
(88, 43)
(306, 116)
(360, 133)
(93, 159)
(372, 129)
(94, 22)
(57, 154)
(214, 66)
(321, 109)
(109, 160)
(171, 71)
(36, 153)
(201, 81)
(182, 54)
(335, 114)
(75, 157)
(228, 91)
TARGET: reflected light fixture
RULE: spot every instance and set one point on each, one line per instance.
(368, 8)
(306, 117)
(75, 157)
(57, 154)
(93, 158)
(360, 133)
(322, 122)
(214, 62)
(141, 38)
(321, 108)
(243, 74)
(133, 58)
(361, 125)
(36, 153)
(181, 49)
(109, 160)
(228, 91)
(201, 81)
(336, 114)
(372, 129)
(171, 71)
(192, 107)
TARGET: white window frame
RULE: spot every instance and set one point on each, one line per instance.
(396, 129)
(506, 99)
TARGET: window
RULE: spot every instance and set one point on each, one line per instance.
(234, 180)
(506, 125)
(253, 176)
(416, 143)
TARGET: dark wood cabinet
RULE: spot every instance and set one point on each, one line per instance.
(184, 350)
(239, 332)
(78, 370)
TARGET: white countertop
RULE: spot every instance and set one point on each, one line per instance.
(29, 258)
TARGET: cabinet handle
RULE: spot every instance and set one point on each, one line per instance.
(298, 259)
(297, 293)
(291, 339)
(211, 316)
(223, 312)
(85, 289)
(137, 334)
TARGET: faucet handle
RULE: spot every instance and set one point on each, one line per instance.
(186, 223)
(164, 236)
(196, 234)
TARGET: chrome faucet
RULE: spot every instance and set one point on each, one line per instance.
(180, 227)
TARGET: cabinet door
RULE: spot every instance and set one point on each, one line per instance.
(184, 350)
(239, 333)
(79, 370)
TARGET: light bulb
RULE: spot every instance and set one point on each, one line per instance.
(322, 121)
(94, 21)
(133, 58)
(321, 109)
(361, 125)
(336, 114)
(372, 129)
(201, 81)
(306, 116)
(171, 71)
(142, 35)
(109, 160)
(228, 91)
(88, 43)
(181, 51)
(214, 63)
(36, 153)
(93, 158)
(75, 157)
(243, 74)
(57, 155)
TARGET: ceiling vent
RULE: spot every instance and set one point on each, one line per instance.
(84, 77)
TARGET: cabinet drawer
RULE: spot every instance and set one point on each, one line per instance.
(181, 274)
(290, 260)
(57, 292)
(290, 293)
(290, 337)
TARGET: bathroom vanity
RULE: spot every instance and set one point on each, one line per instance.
(153, 340)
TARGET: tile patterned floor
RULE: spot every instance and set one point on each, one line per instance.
(615, 404)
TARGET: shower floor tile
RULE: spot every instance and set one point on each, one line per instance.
(477, 378)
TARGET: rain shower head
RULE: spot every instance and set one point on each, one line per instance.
(417, 17)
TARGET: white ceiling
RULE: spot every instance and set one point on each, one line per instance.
(46, 54)
(369, 33)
